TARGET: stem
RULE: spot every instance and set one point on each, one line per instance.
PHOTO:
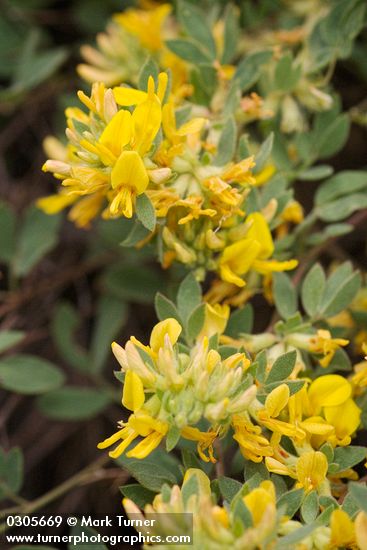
(219, 465)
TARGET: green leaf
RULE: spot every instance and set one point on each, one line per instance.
(288, 541)
(195, 322)
(330, 231)
(286, 75)
(172, 438)
(227, 143)
(28, 374)
(193, 20)
(263, 153)
(342, 208)
(7, 232)
(248, 70)
(73, 403)
(138, 233)
(282, 367)
(310, 507)
(255, 468)
(190, 460)
(343, 183)
(11, 470)
(285, 295)
(231, 33)
(350, 506)
(240, 321)
(359, 493)
(9, 338)
(313, 289)
(334, 137)
(38, 235)
(347, 457)
(332, 304)
(145, 211)
(316, 173)
(65, 322)
(165, 308)
(190, 487)
(188, 296)
(293, 385)
(111, 317)
(150, 68)
(133, 284)
(35, 66)
(188, 51)
(229, 487)
(149, 474)
(138, 494)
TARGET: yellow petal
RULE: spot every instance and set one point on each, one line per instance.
(361, 530)
(118, 132)
(311, 469)
(259, 500)
(133, 393)
(227, 275)
(260, 232)
(111, 440)
(162, 85)
(268, 266)
(342, 529)
(316, 425)
(265, 174)
(128, 96)
(147, 118)
(192, 126)
(238, 259)
(145, 447)
(276, 467)
(168, 327)
(277, 400)
(55, 203)
(329, 391)
(129, 171)
(345, 418)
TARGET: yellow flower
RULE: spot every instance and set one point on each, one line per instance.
(145, 25)
(205, 441)
(360, 525)
(166, 387)
(330, 390)
(169, 328)
(253, 444)
(133, 394)
(311, 469)
(342, 530)
(261, 501)
(275, 402)
(108, 155)
(216, 318)
(252, 252)
(265, 175)
(345, 419)
(139, 424)
(326, 345)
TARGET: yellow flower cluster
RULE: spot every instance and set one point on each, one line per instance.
(251, 521)
(171, 390)
(129, 144)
